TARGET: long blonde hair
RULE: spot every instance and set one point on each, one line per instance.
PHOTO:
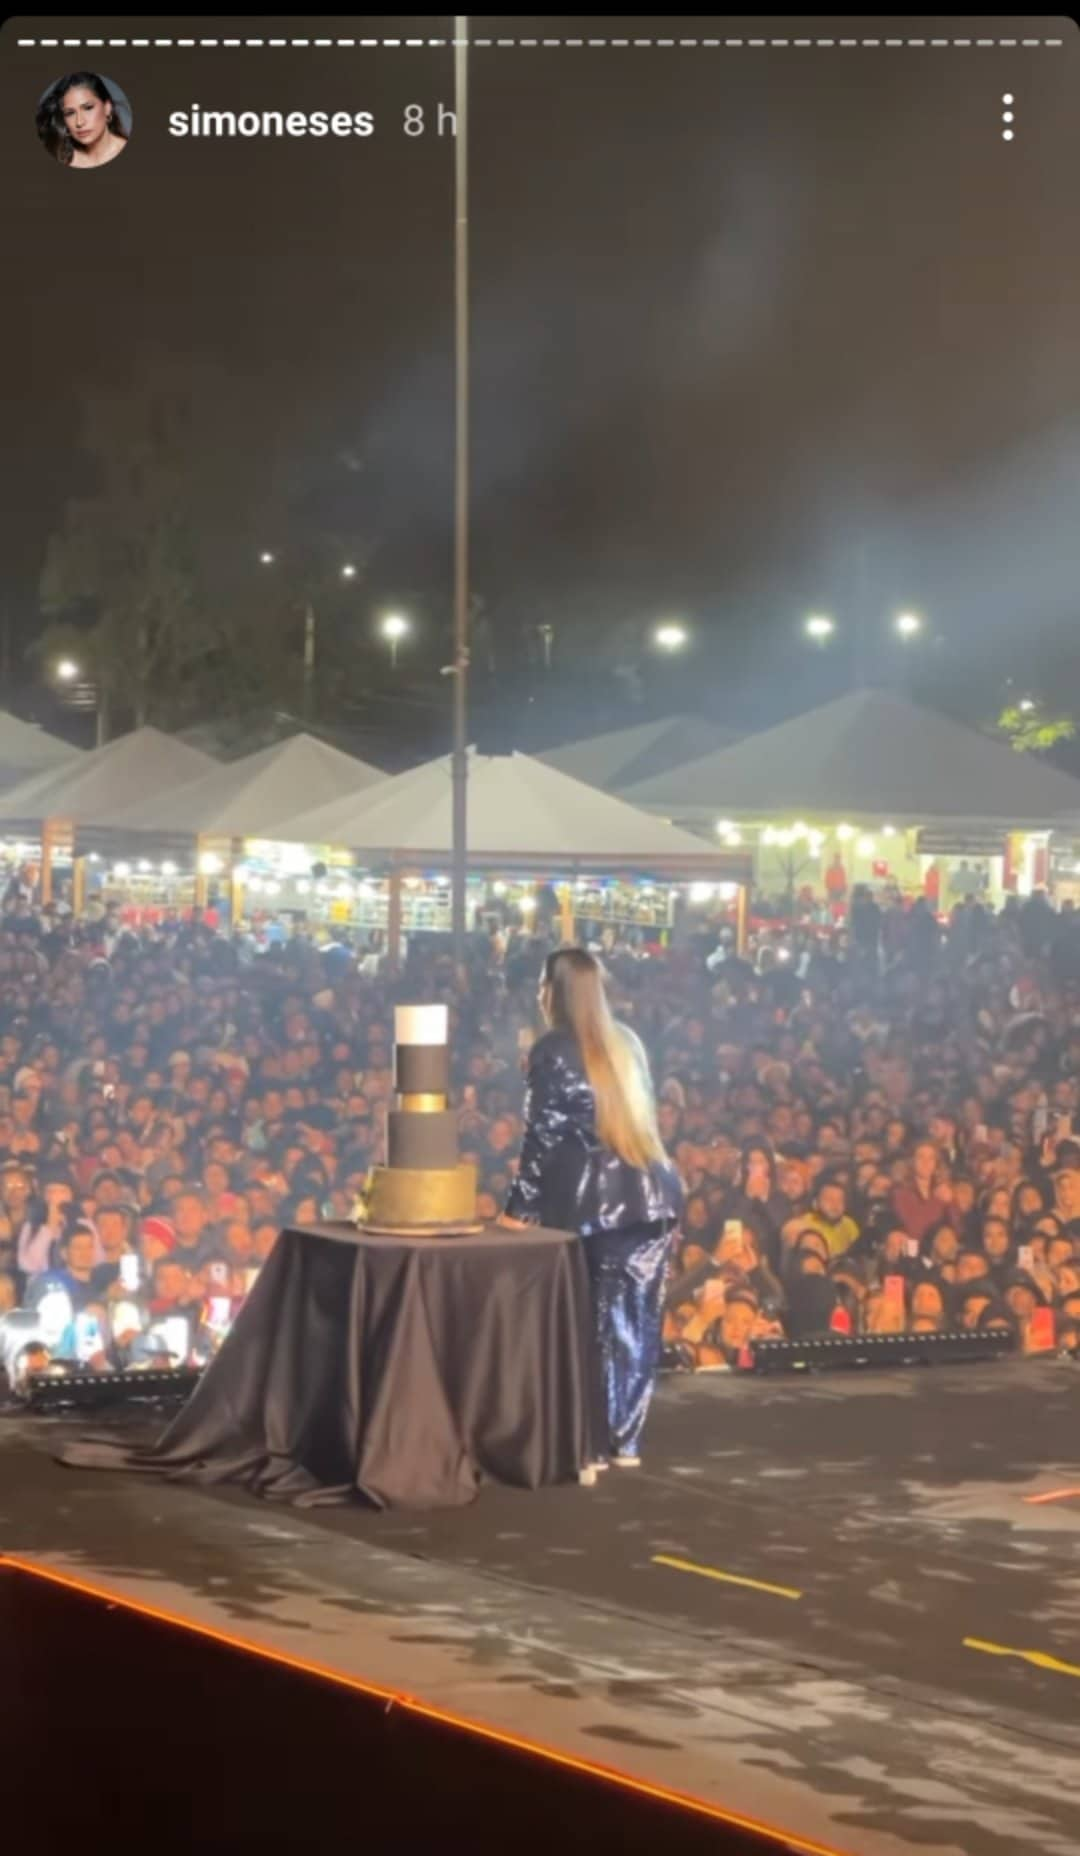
(613, 1056)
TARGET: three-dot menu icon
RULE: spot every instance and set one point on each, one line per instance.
(1007, 117)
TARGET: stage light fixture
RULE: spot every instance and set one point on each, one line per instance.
(876, 1350)
(78, 1390)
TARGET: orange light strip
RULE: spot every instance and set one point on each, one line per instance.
(412, 1704)
(1051, 1495)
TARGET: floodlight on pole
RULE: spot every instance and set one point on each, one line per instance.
(671, 636)
(394, 627)
(909, 624)
(348, 572)
(67, 670)
(266, 559)
(819, 627)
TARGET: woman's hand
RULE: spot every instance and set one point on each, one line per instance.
(506, 1223)
(1042, 1277)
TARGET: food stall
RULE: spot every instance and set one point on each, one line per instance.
(873, 789)
(533, 834)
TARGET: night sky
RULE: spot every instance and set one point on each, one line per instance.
(755, 333)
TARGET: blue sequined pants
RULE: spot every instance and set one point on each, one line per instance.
(626, 1272)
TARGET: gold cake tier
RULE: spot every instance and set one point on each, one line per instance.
(405, 1196)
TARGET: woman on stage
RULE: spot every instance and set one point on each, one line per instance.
(592, 1161)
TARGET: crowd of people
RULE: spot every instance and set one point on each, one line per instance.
(891, 1147)
(875, 1138)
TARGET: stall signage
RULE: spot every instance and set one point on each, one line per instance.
(959, 843)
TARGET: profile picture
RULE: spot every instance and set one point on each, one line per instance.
(84, 120)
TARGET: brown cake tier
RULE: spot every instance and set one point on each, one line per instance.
(419, 1198)
(422, 1070)
(429, 1140)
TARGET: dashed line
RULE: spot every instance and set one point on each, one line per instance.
(726, 1578)
(1038, 1657)
(533, 44)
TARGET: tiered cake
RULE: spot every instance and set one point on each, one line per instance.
(424, 1186)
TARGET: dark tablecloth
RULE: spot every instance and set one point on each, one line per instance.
(404, 1370)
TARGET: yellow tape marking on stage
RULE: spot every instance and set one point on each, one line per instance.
(727, 1578)
(1038, 1657)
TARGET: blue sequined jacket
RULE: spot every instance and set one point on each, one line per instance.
(567, 1180)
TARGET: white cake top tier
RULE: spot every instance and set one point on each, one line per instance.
(421, 1024)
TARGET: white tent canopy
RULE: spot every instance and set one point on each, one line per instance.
(94, 784)
(618, 758)
(26, 750)
(518, 811)
(250, 797)
(872, 754)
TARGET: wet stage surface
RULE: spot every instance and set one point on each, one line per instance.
(829, 1603)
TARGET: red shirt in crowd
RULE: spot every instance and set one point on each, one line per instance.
(917, 1214)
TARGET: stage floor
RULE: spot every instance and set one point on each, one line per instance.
(826, 1603)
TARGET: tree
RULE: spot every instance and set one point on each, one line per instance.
(125, 565)
(154, 581)
(1027, 727)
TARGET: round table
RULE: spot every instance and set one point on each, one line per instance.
(403, 1370)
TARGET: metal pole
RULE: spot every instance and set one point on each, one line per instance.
(309, 661)
(861, 614)
(461, 483)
